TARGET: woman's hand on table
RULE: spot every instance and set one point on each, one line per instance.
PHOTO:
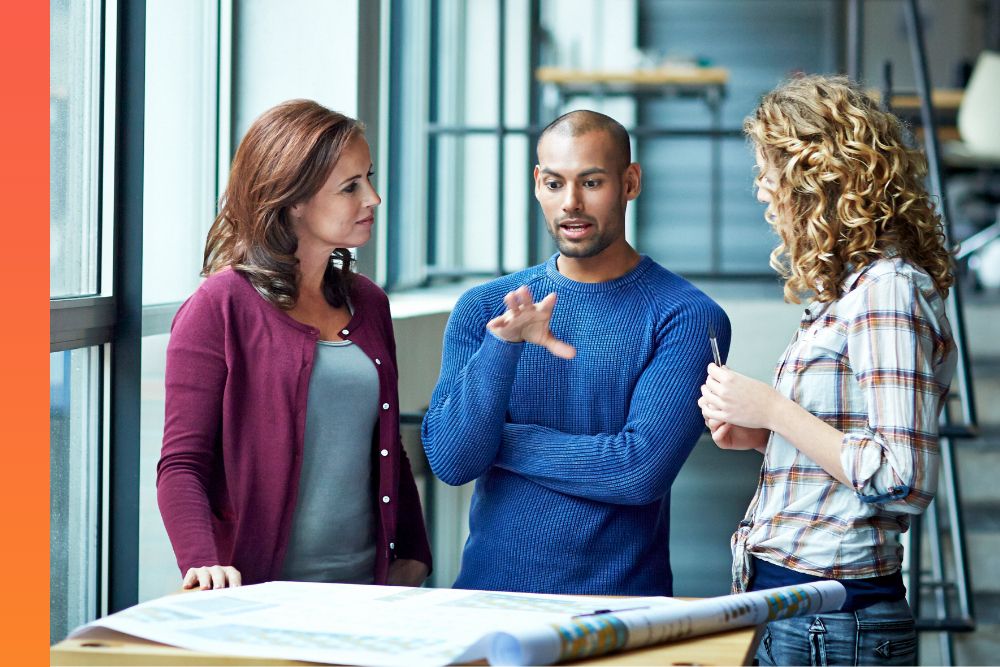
(407, 572)
(212, 576)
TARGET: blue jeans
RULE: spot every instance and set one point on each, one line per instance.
(882, 634)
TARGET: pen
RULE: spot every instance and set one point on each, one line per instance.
(715, 344)
(598, 612)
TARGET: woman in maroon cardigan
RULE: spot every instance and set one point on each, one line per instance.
(281, 451)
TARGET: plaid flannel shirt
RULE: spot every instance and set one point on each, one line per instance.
(876, 365)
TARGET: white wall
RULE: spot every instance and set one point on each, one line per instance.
(288, 49)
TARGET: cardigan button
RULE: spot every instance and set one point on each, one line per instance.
(385, 406)
(378, 362)
(392, 545)
(345, 332)
(385, 499)
(384, 452)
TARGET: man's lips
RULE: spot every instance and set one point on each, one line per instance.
(575, 227)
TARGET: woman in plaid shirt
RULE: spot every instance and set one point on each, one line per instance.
(849, 430)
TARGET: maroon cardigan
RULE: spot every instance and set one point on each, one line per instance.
(237, 382)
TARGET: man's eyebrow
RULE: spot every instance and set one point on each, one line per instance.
(582, 174)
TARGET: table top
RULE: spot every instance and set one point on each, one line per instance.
(660, 76)
(107, 647)
(941, 99)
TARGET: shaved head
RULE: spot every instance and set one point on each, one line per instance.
(584, 121)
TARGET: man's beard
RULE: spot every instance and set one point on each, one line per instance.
(580, 249)
(603, 237)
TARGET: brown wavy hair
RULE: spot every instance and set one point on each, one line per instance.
(285, 158)
(849, 191)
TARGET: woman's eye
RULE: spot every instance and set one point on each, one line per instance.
(352, 187)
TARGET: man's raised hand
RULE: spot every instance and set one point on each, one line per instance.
(528, 321)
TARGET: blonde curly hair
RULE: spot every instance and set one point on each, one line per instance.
(849, 190)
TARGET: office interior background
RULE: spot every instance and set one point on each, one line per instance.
(150, 99)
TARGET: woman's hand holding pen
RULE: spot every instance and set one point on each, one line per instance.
(727, 436)
(737, 409)
(731, 397)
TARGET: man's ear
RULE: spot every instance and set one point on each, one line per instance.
(633, 181)
(535, 176)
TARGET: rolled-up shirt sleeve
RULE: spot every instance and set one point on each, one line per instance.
(896, 351)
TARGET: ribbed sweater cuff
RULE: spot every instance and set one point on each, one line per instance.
(501, 355)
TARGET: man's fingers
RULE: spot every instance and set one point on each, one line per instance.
(510, 301)
(499, 322)
(559, 348)
(548, 303)
(522, 298)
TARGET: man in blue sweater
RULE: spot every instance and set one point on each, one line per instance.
(574, 413)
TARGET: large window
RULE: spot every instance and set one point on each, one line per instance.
(74, 490)
(148, 99)
(180, 169)
(74, 122)
(460, 127)
(76, 364)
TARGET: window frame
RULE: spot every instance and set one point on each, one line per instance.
(115, 319)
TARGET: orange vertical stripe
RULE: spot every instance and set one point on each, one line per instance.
(24, 479)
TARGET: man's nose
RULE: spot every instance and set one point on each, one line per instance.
(571, 200)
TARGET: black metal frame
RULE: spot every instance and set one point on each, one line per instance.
(123, 454)
(81, 322)
(939, 585)
(945, 621)
(393, 234)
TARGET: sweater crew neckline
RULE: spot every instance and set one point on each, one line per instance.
(552, 271)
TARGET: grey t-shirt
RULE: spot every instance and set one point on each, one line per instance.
(333, 530)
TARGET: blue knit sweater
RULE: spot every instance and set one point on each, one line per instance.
(573, 458)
